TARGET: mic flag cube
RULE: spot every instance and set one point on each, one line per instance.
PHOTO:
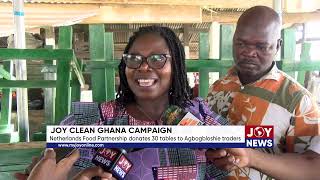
(173, 115)
(190, 120)
(122, 167)
(113, 161)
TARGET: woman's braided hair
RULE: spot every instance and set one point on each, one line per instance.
(179, 93)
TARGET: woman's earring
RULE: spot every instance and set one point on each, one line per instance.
(170, 92)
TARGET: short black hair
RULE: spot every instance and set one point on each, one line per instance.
(179, 93)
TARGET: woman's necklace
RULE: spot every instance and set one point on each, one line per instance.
(149, 117)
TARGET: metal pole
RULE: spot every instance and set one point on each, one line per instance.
(21, 70)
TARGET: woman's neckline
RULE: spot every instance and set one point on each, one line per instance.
(147, 119)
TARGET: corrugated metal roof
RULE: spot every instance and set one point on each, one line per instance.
(47, 2)
(227, 9)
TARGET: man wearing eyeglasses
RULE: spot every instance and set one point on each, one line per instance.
(255, 92)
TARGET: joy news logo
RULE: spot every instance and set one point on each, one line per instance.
(259, 136)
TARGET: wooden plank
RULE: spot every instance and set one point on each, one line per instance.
(6, 101)
(226, 36)
(146, 14)
(77, 81)
(211, 3)
(12, 168)
(203, 45)
(76, 68)
(232, 17)
(213, 64)
(203, 72)
(18, 156)
(97, 52)
(49, 93)
(99, 64)
(36, 54)
(5, 74)
(40, 15)
(63, 98)
(30, 8)
(75, 88)
(301, 66)
(110, 72)
(304, 58)
(15, 157)
(301, 5)
(216, 65)
(23, 145)
(288, 48)
(27, 83)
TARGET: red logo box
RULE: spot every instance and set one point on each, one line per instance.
(261, 132)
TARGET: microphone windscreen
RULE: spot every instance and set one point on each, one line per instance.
(173, 115)
(113, 161)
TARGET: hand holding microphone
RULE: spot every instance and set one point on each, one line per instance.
(175, 115)
(113, 161)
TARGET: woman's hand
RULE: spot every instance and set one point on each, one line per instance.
(229, 159)
(47, 168)
(89, 173)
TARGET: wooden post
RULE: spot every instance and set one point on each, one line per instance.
(304, 57)
(51, 74)
(186, 41)
(63, 76)
(203, 72)
(7, 134)
(6, 102)
(110, 72)
(98, 53)
(75, 88)
(214, 52)
(226, 36)
(49, 96)
(214, 41)
(288, 49)
(75, 85)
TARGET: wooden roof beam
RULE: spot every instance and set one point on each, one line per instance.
(301, 5)
(146, 14)
(135, 14)
(211, 3)
(288, 18)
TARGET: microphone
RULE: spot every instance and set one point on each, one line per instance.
(175, 115)
(113, 161)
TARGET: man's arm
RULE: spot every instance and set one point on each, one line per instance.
(284, 166)
(288, 165)
(303, 165)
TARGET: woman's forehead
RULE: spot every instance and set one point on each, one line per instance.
(149, 42)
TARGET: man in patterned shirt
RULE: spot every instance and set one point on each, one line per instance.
(255, 92)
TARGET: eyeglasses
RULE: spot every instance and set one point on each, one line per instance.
(155, 61)
(262, 48)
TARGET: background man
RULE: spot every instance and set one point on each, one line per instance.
(255, 92)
